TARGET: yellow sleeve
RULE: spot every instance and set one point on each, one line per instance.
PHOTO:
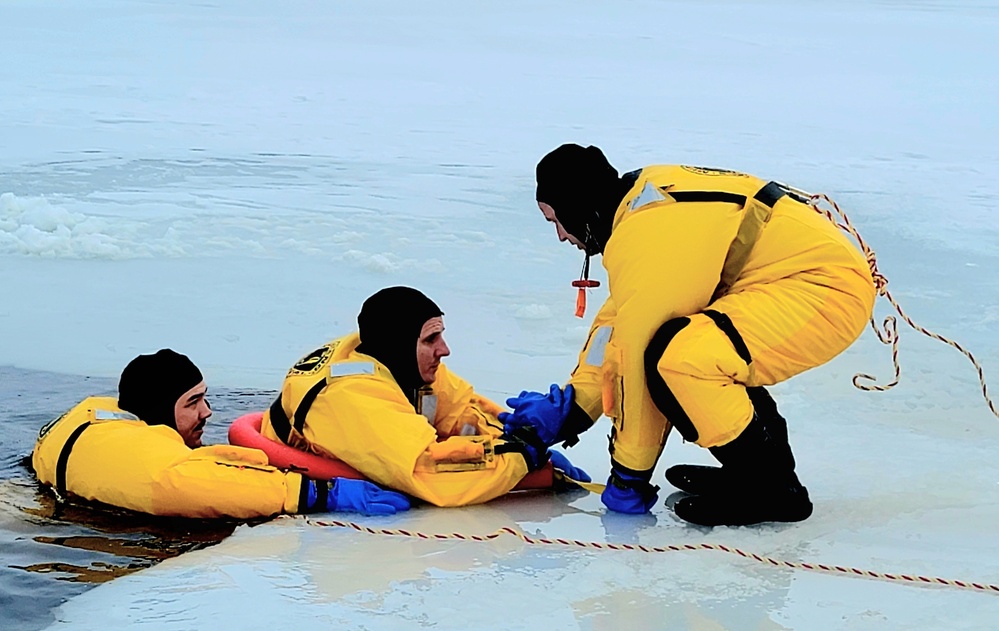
(588, 374)
(461, 410)
(225, 481)
(366, 422)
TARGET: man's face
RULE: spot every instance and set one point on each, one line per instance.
(430, 348)
(549, 214)
(191, 412)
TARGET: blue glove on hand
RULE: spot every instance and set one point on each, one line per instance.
(629, 494)
(544, 413)
(361, 496)
(560, 462)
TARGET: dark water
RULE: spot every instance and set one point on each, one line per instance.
(51, 551)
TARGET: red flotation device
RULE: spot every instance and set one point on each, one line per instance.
(245, 432)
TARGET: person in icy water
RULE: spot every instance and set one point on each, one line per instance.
(101, 451)
(720, 284)
(381, 400)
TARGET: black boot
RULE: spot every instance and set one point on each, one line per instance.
(707, 480)
(763, 486)
(699, 479)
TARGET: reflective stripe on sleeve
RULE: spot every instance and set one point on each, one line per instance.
(595, 356)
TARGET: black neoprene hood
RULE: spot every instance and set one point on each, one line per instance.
(151, 384)
(583, 189)
(389, 326)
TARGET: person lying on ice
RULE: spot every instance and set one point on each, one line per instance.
(381, 400)
(720, 284)
(101, 451)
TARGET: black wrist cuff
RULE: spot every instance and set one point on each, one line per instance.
(576, 422)
(525, 441)
(322, 488)
(642, 487)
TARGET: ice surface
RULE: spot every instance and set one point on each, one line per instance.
(232, 178)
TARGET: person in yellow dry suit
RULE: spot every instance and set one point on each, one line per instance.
(101, 451)
(720, 284)
(381, 400)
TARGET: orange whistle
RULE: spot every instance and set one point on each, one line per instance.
(583, 284)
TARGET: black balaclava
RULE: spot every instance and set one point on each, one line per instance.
(151, 384)
(584, 190)
(389, 325)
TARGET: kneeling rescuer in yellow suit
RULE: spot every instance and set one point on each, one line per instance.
(720, 284)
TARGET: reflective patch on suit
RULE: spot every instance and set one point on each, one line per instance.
(113, 415)
(598, 346)
(426, 404)
(649, 195)
(346, 369)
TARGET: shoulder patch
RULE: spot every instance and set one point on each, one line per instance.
(649, 195)
(711, 171)
(45, 428)
(346, 369)
(312, 362)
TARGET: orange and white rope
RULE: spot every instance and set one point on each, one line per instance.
(890, 333)
(913, 579)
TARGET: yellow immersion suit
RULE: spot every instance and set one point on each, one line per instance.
(343, 404)
(100, 453)
(717, 281)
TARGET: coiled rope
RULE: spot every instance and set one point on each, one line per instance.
(912, 579)
(890, 333)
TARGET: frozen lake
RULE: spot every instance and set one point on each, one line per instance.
(232, 179)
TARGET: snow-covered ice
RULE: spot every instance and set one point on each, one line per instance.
(232, 178)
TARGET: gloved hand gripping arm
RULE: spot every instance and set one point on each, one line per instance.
(350, 496)
(547, 414)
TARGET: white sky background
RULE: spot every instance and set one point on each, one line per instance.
(232, 179)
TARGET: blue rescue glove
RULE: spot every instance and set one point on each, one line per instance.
(358, 496)
(544, 413)
(626, 493)
(560, 462)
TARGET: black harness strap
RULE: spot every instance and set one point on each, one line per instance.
(306, 404)
(63, 462)
(770, 194)
(279, 419)
(708, 196)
